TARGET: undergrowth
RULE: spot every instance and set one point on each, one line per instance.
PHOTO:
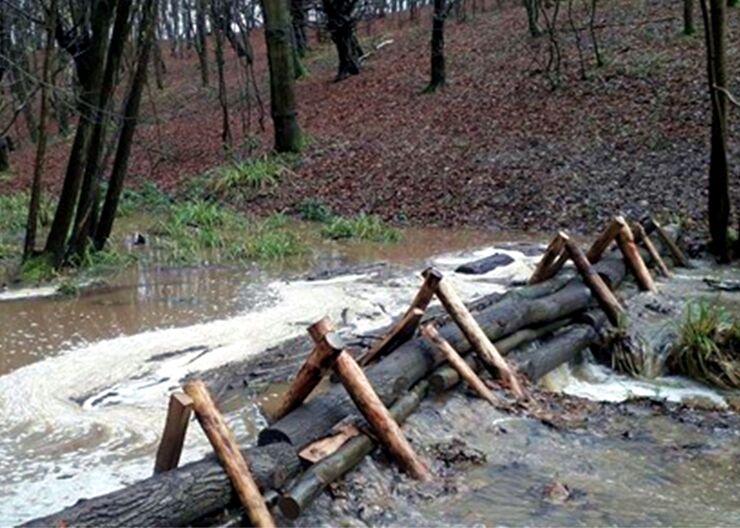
(708, 349)
(360, 227)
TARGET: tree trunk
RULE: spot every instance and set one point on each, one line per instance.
(201, 43)
(688, 17)
(29, 244)
(280, 58)
(130, 119)
(298, 15)
(217, 13)
(533, 15)
(438, 77)
(341, 26)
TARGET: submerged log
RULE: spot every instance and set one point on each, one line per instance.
(227, 451)
(486, 264)
(323, 473)
(179, 497)
(530, 306)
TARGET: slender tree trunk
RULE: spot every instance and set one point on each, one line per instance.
(533, 13)
(38, 169)
(438, 44)
(130, 120)
(688, 17)
(201, 43)
(219, 25)
(715, 26)
(298, 15)
(280, 57)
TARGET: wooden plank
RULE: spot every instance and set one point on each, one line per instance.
(227, 451)
(179, 411)
(477, 337)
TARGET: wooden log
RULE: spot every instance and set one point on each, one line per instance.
(227, 450)
(445, 377)
(326, 349)
(551, 261)
(394, 374)
(320, 475)
(179, 412)
(456, 361)
(375, 412)
(557, 350)
(484, 265)
(678, 257)
(179, 497)
(404, 329)
(626, 242)
(477, 337)
(607, 236)
(326, 446)
(606, 299)
(642, 236)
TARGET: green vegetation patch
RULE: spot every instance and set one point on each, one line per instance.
(314, 210)
(252, 175)
(708, 349)
(360, 227)
(148, 198)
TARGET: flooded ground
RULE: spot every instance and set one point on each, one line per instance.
(84, 383)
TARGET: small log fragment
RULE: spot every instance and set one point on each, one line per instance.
(404, 329)
(179, 411)
(551, 261)
(227, 450)
(595, 283)
(607, 236)
(456, 361)
(678, 257)
(327, 347)
(626, 242)
(320, 449)
(642, 236)
(477, 338)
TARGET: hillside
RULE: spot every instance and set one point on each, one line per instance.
(497, 148)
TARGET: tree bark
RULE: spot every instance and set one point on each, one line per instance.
(438, 72)
(280, 57)
(688, 17)
(201, 41)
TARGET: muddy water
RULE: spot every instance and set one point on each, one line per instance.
(84, 384)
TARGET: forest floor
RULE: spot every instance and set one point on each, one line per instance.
(497, 148)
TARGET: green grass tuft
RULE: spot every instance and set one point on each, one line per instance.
(145, 198)
(361, 227)
(314, 210)
(37, 269)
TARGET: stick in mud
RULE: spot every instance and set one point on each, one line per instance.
(227, 450)
(326, 349)
(595, 283)
(430, 333)
(678, 257)
(179, 412)
(553, 254)
(477, 337)
(404, 329)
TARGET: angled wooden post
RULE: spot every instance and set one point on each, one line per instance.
(482, 346)
(607, 236)
(642, 236)
(179, 411)
(551, 262)
(227, 450)
(595, 283)
(327, 347)
(377, 415)
(404, 329)
(433, 337)
(626, 242)
(678, 257)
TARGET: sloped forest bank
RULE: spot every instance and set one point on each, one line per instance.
(498, 146)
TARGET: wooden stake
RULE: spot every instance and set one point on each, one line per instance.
(377, 415)
(456, 361)
(403, 330)
(482, 346)
(227, 450)
(606, 237)
(327, 347)
(595, 283)
(545, 268)
(173, 437)
(678, 257)
(642, 236)
(626, 242)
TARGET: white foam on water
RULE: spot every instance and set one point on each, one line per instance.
(87, 421)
